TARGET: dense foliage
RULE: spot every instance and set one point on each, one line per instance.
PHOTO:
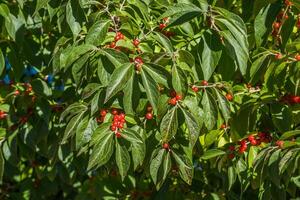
(144, 99)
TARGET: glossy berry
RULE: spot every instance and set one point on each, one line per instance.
(113, 128)
(166, 146)
(195, 88)
(229, 97)
(173, 101)
(251, 137)
(149, 116)
(204, 83)
(288, 3)
(253, 142)
(136, 42)
(112, 45)
(178, 97)
(114, 111)
(103, 112)
(122, 116)
(162, 26)
(276, 25)
(223, 126)
(242, 149)
(231, 156)
(17, 93)
(278, 56)
(138, 60)
(279, 143)
(118, 134)
(2, 114)
(297, 57)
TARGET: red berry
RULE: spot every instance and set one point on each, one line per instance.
(251, 137)
(162, 26)
(136, 42)
(231, 156)
(297, 57)
(120, 126)
(113, 128)
(278, 56)
(231, 148)
(112, 45)
(17, 92)
(223, 126)
(253, 142)
(204, 83)
(279, 143)
(276, 25)
(114, 111)
(118, 134)
(23, 119)
(173, 101)
(243, 143)
(122, 121)
(2, 114)
(166, 146)
(115, 123)
(288, 3)
(103, 112)
(138, 60)
(195, 88)
(229, 97)
(242, 149)
(178, 97)
(122, 116)
(149, 116)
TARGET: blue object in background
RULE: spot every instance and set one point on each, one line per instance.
(7, 64)
(30, 71)
(49, 78)
(60, 87)
(6, 79)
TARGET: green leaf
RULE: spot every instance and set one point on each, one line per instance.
(132, 136)
(281, 116)
(210, 52)
(164, 41)
(70, 55)
(40, 87)
(186, 169)
(90, 89)
(263, 22)
(289, 134)
(117, 58)
(158, 73)
(84, 131)
(210, 110)
(95, 102)
(138, 151)
(40, 4)
(71, 20)
(212, 153)
(2, 62)
(1, 164)
(122, 159)
(132, 95)
(78, 68)
(166, 165)
(231, 176)
(155, 165)
(179, 80)
(223, 105)
(212, 137)
(169, 125)
(118, 80)
(72, 110)
(97, 33)
(151, 89)
(181, 13)
(103, 149)
(255, 70)
(193, 126)
(71, 127)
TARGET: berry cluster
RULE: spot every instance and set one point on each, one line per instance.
(254, 140)
(149, 114)
(174, 98)
(164, 25)
(290, 99)
(119, 36)
(117, 123)
(138, 61)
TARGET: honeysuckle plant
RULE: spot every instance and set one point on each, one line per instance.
(149, 99)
